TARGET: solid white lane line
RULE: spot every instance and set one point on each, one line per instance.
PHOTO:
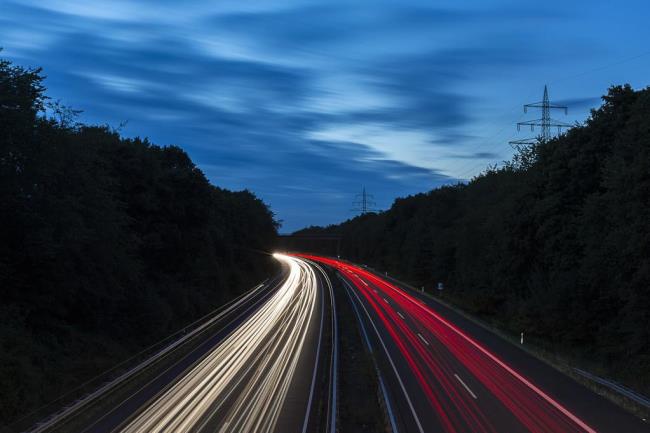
(333, 385)
(262, 300)
(334, 364)
(400, 315)
(465, 386)
(499, 362)
(363, 328)
(427, 309)
(390, 360)
(279, 327)
(313, 378)
(423, 339)
(389, 407)
(220, 312)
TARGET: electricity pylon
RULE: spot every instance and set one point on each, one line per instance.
(545, 123)
(363, 203)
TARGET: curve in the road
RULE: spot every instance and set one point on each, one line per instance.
(450, 367)
(245, 379)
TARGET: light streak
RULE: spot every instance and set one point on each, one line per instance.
(246, 378)
(433, 367)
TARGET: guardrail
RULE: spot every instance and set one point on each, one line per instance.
(627, 392)
(64, 406)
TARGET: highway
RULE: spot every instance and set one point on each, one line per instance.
(447, 374)
(266, 370)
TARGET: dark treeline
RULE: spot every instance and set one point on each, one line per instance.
(107, 244)
(556, 243)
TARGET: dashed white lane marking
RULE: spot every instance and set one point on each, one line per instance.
(465, 386)
(400, 314)
(423, 339)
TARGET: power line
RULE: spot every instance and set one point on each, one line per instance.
(546, 123)
(468, 169)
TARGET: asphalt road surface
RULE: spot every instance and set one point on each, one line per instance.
(262, 372)
(444, 373)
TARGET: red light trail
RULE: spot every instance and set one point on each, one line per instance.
(432, 348)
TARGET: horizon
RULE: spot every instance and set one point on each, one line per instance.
(304, 103)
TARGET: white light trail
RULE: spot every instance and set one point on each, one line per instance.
(251, 369)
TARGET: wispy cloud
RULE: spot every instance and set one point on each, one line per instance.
(304, 101)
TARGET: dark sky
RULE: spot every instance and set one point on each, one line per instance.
(305, 102)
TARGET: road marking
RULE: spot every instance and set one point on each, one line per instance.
(521, 378)
(364, 283)
(400, 315)
(392, 364)
(389, 407)
(334, 360)
(313, 378)
(386, 300)
(375, 290)
(422, 338)
(498, 361)
(427, 309)
(183, 415)
(41, 426)
(465, 386)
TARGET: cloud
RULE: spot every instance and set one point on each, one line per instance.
(477, 155)
(302, 102)
(580, 103)
(250, 120)
(333, 23)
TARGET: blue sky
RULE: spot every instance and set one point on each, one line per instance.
(304, 102)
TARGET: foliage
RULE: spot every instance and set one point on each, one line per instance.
(107, 244)
(556, 243)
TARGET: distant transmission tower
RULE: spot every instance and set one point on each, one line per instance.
(363, 203)
(545, 123)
